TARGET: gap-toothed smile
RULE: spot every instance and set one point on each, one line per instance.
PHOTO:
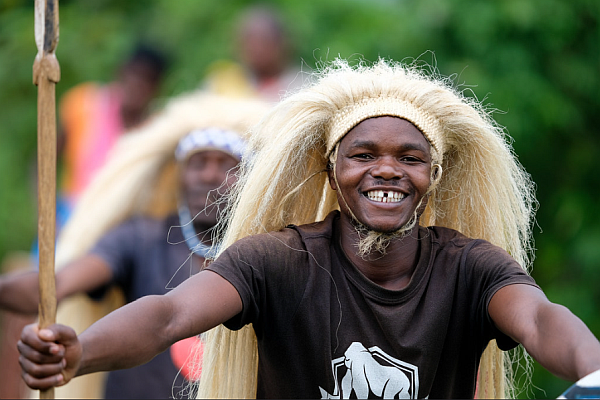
(385, 196)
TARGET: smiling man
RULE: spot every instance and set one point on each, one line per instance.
(385, 164)
(377, 245)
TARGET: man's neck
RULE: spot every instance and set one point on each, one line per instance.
(204, 233)
(132, 118)
(392, 270)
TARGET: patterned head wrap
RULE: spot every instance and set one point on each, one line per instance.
(223, 140)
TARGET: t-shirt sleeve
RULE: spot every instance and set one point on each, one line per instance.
(117, 249)
(267, 271)
(492, 268)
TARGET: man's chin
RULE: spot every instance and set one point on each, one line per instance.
(374, 239)
(380, 229)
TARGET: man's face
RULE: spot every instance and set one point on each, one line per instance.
(383, 171)
(139, 85)
(262, 47)
(206, 176)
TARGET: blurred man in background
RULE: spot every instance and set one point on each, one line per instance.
(155, 206)
(93, 116)
(266, 66)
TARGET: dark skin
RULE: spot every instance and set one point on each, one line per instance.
(138, 84)
(205, 176)
(393, 159)
(208, 175)
(262, 45)
(554, 336)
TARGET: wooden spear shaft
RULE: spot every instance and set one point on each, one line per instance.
(46, 73)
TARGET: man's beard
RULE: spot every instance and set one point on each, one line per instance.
(371, 242)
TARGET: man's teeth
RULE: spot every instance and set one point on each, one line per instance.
(385, 197)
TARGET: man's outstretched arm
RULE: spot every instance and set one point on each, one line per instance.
(550, 333)
(19, 291)
(129, 336)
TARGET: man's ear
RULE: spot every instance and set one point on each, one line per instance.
(331, 177)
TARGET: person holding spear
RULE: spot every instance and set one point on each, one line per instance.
(46, 73)
(378, 247)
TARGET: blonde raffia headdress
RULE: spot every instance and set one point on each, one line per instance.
(370, 107)
(139, 178)
(484, 191)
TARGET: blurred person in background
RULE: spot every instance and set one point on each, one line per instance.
(92, 117)
(155, 204)
(265, 67)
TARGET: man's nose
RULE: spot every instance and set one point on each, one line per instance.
(213, 173)
(387, 168)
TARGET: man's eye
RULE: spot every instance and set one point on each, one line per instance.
(362, 156)
(411, 159)
(196, 166)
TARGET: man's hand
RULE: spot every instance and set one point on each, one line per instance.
(49, 357)
(129, 336)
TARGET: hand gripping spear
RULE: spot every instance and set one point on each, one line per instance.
(46, 73)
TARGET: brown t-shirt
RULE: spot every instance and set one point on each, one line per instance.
(325, 330)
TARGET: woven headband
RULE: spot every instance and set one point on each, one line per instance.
(350, 116)
(210, 139)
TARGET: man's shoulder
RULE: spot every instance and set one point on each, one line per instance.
(81, 91)
(293, 237)
(444, 235)
(451, 240)
(145, 226)
(145, 220)
(319, 229)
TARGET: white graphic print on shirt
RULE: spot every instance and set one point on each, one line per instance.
(372, 373)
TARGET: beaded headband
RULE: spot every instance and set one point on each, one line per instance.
(210, 139)
(350, 116)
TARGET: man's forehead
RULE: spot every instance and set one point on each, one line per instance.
(207, 153)
(358, 111)
(373, 131)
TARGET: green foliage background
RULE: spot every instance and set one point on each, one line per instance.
(536, 61)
